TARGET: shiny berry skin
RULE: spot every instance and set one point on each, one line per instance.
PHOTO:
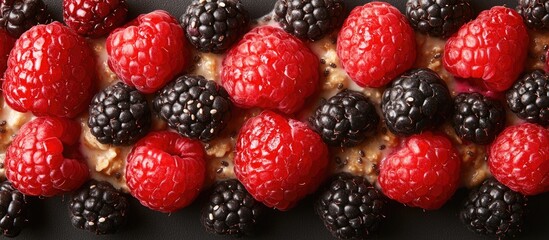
(279, 160)
(423, 172)
(535, 13)
(270, 69)
(14, 207)
(18, 16)
(46, 56)
(493, 47)
(375, 44)
(528, 98)
(519, 158)
(149, 51)
(94, 18)
(6, 44)
(165, 171)
(438, 18)
(43, 159)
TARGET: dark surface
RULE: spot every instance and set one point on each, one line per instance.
(51, 221)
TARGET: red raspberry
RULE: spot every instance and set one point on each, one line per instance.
(376, 44)
(279, 160)
(51, 71)
(492, 47)
(424, 172)
(43, 159)
(94, 18)
(149, 51)
(270, 68)
(166, 171)
(519, 158)
(6, 44)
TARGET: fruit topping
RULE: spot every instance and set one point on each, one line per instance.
(438, 18)
(149, 51)
(417, 100)
(18, 16)
(94, 18)
(423, 172)
(98, 207)
(271, 69)
(376, 44)
(43, 159)
(194, 106)
(215, 25)
(165, 171)
(13, 210)
(6, 44)
(119, 115)
(279, 160)
(51, 71)
(345, 119)
(535, 13)
(309, 19)
(493, 47)
(529, 97)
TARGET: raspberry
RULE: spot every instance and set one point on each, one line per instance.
(279, 160)
(149, 51)
(51, 71)
(6, 44)
(94, 18)
(492, 47)
(43, 159)
(165, 171)
(424, 172)
(376, 44)
(519, 158)
(271, 69)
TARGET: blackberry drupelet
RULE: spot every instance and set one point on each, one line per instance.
(231, 210)
(416, 100)
(528, 98)
(493, 209)
(214, 25)
(309, 19)
(350, 207)
(119, 115)
(13, 210)
(98, 207)
(477, 118)
(345, 119)
(194, 106)
(18, 16)
(438, 18)
(535, 13)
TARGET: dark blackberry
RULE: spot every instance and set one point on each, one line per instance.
(231, 210)
(119, 115)
(309, 19)
(345, 119)
(350, 207)
(535, 13)
(477, 118)
(13, 210)
(214, 25)
(195, 107)
(416, 100)
(440, 18)
(494, 209)
(98, 207)
(18, 16)
(529, 97)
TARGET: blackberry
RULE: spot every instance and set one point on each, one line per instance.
(231, 210)
(18, 16)
(195, 107)
(214, 25)
(535, 13)
(477, 118)
(494, 209)
(528, 98)
(350, 207)
(438, 18)
(13, 210)
(345, 119)
(98, 207)
(119, 115)
(309, 19)
(416, 100)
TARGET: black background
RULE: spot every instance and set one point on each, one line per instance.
(50, 216)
